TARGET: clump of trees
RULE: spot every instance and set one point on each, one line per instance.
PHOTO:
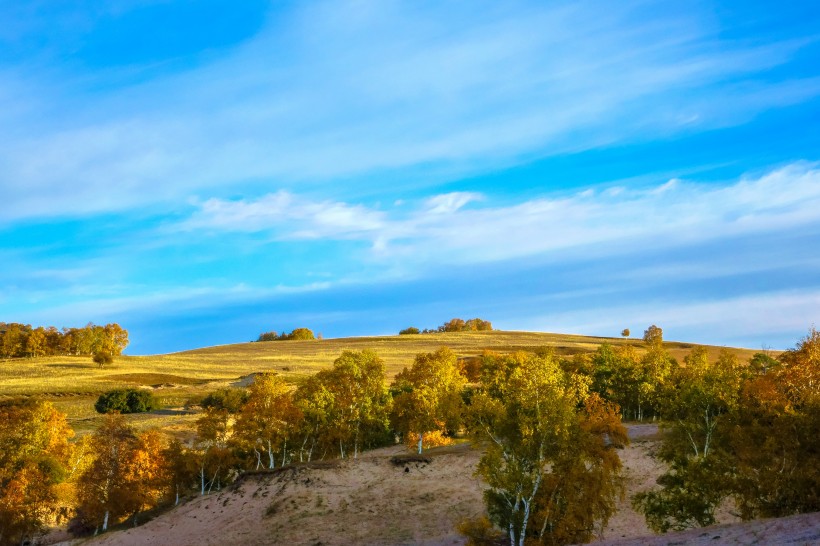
(296, 334)
(746, 432)
(35, 458)
(125, 401)
(453, 325)
(23, 340)
(550, 457)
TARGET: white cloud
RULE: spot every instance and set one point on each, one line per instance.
(296, 217)
(442, 231)
(448, 203)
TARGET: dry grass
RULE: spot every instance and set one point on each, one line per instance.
(73, 383)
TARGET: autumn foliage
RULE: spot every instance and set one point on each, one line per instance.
(743, 432)
(22, 340)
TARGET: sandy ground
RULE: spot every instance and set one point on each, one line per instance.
(372, 500)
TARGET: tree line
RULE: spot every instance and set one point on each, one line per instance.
(295, 334)
(23, 340)
(453, 325)
(549, 428)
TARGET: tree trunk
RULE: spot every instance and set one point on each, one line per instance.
(105, 522)
(421, 441)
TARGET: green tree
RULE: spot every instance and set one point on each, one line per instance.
(346, 408)
(697, 404)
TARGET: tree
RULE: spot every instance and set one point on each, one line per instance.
(697, 404)
(653, 336)
(551, 467)
(346, 408)
(34, 453)
(269, 418)
(102, 358)
(625, 332)
(453, 325)
(215, 459)
(427, 396)
(412, 330)
(36, 342)
(478, 325)
(105, 490)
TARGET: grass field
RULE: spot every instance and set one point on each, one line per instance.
(73, 383)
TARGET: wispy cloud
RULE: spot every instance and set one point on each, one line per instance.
(386, 87)
(301, 218)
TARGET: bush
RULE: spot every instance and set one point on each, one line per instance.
(103, 358)
(125, 401)
(228, 399)
(409, 331)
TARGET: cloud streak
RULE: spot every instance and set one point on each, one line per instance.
(442, 229)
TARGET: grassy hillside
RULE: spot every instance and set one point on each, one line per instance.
(73, 383)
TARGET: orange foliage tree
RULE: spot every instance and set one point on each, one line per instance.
(34, 453)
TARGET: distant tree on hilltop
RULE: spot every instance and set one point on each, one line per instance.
(653, 335)
(460, 325)
(296, 334)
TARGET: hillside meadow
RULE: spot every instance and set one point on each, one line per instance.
(72, 384)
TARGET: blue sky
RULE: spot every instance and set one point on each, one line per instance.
(203, 171)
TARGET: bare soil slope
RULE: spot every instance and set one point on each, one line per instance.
(382, 498)
(370, 500)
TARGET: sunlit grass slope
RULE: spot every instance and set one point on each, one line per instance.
(73, 383)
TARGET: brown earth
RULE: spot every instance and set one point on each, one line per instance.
(373, 500)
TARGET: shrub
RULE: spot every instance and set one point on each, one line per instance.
(227, 399)
(409, 331)
(125, 401)
(103, 358)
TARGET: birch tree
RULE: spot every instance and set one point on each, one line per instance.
(427, 396)
(269, 418)
(534, 434)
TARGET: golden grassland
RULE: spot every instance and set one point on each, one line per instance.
(73, 383)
